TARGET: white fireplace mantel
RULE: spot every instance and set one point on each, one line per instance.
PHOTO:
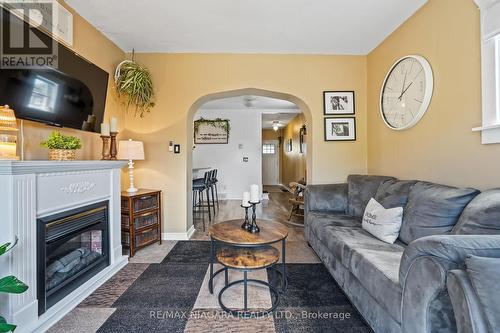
(33, 189)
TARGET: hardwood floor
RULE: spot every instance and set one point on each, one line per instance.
(276, 209)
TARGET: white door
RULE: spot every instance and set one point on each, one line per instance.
(270, 162)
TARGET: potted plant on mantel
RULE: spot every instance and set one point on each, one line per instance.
(62, 147)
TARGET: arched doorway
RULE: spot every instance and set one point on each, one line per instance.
(235, 93)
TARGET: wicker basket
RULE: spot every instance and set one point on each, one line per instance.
(62, 154)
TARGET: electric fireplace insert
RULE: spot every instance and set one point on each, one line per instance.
(71, 248)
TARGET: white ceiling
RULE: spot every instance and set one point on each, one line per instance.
(272, 109)
(282, 118)
(243, 26)
(250, 102)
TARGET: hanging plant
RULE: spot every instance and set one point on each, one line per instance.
(134, 81)
(217, 123)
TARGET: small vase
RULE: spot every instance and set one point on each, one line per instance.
(62, 154)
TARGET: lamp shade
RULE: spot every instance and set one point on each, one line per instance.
(7, 119)
(130, 150)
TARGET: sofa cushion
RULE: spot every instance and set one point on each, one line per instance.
(394, 193)
(373, 262)
(433, 209)
(361, 190)
(484, 274)
(377, 270)
(317, 221)
(481, 216)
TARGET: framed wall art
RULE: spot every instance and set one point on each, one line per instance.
(340, 129)
(338, 103)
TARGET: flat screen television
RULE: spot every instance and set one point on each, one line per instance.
(73, 95)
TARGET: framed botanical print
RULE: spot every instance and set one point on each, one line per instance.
(338, 103)
(340, 129)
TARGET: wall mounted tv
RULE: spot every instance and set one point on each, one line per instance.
(73, 95)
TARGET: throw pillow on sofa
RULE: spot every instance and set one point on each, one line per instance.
(381, 222)
(433, 209)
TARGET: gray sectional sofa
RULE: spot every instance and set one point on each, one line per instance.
(401, 287)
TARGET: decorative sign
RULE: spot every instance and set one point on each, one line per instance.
(208, 131)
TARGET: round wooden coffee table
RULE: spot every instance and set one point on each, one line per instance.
(246, 251)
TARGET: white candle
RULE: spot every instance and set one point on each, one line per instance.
(105, 129)
(114, 124)
(246, 198)
(254, 193)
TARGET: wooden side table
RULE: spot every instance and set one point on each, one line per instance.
(141, 219)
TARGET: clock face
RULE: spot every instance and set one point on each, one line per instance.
(406, 93)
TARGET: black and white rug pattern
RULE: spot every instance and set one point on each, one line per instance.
(172, 296)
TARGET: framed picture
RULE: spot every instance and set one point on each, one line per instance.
(289, 146)
(340, 129)
(338, 102)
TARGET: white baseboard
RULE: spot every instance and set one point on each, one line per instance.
(178, 235)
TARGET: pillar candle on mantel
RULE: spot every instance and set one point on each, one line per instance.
(246, 198)
(254, 193)
(105, 129)
(114, 124)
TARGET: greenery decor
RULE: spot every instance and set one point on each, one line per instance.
(217, 123)
(58, 141)
(135, 83)
(11, 285)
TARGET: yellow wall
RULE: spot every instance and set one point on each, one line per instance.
(92, 45)
(442, 147)
(269, 134)
(294, 163)
(181, 79)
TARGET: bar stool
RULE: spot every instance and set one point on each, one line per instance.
(201, 185)
(215, 181)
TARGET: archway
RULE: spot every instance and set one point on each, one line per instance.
(234, 93)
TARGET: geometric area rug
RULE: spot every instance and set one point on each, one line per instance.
(172, 296)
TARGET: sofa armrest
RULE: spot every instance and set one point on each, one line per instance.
(451, 248)
(466, 305)
(331, 198)
(426, 305)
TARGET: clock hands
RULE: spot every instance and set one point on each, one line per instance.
(403, 87)
(406, 89)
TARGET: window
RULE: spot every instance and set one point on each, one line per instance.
(490, 63)
(44, 95)
(268, 149)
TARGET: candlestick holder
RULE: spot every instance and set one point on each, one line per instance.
(246, 224)
(254, 228)
(112, 150)
(105, 147)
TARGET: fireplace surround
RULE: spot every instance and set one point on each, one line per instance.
(32, 192)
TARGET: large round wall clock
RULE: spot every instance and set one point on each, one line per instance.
(406, 92)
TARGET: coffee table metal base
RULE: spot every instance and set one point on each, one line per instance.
(245, 313)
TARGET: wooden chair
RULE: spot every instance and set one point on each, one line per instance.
(298, 199)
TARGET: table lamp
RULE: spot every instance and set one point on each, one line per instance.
(8, 134)
(131, 151)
